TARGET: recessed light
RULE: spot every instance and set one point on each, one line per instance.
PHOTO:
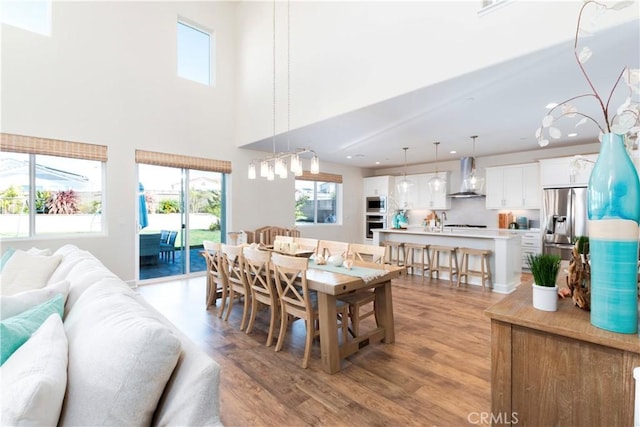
(377, 163)
(349, 157)
(452, 152)
(551, 105)
(571, 135)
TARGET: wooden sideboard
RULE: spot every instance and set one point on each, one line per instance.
(556, 369)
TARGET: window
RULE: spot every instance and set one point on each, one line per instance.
(32, 15)
(194, 54)
(316, 201)
(44, 192)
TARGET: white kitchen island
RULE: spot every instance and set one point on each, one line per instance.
(505, 246)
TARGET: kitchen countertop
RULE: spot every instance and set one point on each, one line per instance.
(480, 233)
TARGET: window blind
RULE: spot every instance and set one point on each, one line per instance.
(52, 147)
(181, 161)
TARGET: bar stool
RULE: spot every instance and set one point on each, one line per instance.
(484, 273)
(410, 250)
(436, 267)
(389, 257)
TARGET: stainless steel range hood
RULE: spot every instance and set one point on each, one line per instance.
(467, 165)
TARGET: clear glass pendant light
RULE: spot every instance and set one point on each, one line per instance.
(437, 184)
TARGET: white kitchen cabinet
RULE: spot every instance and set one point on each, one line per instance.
(531, 245)
(378, 186)
(562, 171)
(513, 187)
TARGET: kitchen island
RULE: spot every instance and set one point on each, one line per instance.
(505, 246)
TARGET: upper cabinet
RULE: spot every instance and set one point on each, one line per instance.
(513, 187)
(567, 171)
(418, 195)
(378, 186)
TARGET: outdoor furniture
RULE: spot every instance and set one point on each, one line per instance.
(149, 248)
(168, 246)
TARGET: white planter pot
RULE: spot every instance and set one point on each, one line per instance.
(545, 298)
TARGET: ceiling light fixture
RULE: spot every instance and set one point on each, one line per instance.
(276, 163)
(473, 182)
(437, 184)
(404, 184)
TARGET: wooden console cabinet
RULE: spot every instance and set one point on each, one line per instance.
(556, 369)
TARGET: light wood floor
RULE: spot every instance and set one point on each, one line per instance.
(436, 373)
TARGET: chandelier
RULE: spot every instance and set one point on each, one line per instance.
(276, 163)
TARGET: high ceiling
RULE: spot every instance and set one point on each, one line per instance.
(503, 105)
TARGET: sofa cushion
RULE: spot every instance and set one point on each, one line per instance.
(16, 330)
(36, 375)
(115, 343)
(5, 257)
(25, 271)
(15, 304)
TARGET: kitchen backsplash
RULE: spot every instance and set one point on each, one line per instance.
(473, 211)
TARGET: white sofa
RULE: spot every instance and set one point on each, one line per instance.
(127, 364)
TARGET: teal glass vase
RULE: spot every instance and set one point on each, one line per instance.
(613, 208)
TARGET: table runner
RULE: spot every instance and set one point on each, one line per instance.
(366, 274)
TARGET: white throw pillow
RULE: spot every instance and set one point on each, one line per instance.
(38, 251)
(34, 378)
(120, 359)
(25, 271)
(11, 305)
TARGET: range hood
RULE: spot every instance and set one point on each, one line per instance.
(467, 188)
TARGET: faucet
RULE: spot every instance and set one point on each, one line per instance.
(443, 216)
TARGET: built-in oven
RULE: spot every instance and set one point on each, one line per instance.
(374, 222)
(376, 204)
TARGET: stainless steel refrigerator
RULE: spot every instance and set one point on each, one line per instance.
(564, 215)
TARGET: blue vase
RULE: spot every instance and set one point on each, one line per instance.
(613, 209)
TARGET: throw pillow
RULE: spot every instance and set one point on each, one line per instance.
(16, 330)
(25, 271)
(34, 378)
(38, 251)
(15, 304)
(120, 359)
(5, 257)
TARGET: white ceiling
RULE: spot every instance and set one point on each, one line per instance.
(503, 105)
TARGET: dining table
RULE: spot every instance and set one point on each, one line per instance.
(330, 282)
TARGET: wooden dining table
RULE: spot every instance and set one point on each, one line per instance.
(331, 284)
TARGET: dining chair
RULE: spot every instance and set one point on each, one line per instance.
(233, 264)
(298, 301)
(216, 276)
(263, 290)
(369, 256)
(329, 248)
(306, 244)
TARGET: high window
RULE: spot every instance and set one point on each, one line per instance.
(317, 198)
(32, 15)
(50, 187)
(194, 54)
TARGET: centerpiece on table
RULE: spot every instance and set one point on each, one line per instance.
(544, 268)
(613, 194)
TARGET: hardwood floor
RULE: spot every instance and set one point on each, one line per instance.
(436, 373)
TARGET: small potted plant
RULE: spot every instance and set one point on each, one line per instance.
(544, 268)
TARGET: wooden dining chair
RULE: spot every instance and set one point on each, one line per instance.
(329, 248)
(263, 290)
(298, 301)
(216, 276)
(233, 264)
(365, 256)
(306, 244)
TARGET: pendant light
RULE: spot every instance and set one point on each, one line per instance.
(473, 182)
(437, 184)
(404, 184)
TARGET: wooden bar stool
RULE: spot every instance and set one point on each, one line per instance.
(436, 267)
(410, 251)
(485, 271)
(390, 257)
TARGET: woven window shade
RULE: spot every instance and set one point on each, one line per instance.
(52, 147)
(323, 177)
(180, 161)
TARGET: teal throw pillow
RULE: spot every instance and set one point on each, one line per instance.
(16, 330)
(5, 257)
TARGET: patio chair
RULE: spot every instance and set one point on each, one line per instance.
(149, 248)
(167, 247)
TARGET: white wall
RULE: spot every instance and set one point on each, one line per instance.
(107, 75)
(346, 55)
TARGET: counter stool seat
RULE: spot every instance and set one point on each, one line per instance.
(394, 253)
(484, 273)
(436, 267)
(422, 263)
